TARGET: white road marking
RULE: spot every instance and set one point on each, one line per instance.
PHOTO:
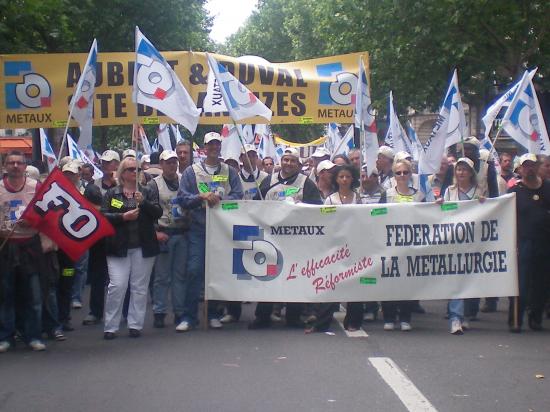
(339, 316)
(406, 391)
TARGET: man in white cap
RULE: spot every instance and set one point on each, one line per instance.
(109, 165)
(287, 185)
(325, 169)
(170, 265)
(248, 176)
(320, 154)
(533, 231)
(203, 185)
(129, 153)
(384, 164)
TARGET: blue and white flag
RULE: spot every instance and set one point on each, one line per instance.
(266, 147)
(396, 136)
(47, 152)
(333, 137)
(82, 102)
(345, 144)
(503, 102)
(176, 132)
(240, 102)
(163, 136)
(155, 147)
(140, 136)
(76, 153)
(156, 85)
(416, 145)
(449, 128)
(231, 144)
(364, 117)
(523, 119)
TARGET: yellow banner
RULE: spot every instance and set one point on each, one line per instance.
(35, 89)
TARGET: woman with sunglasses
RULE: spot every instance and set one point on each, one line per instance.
(400, 192)
(345, 181)
(131, 250)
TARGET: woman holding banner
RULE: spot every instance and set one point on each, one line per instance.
(131, 251)
(400, 192)
(345, 181)
(464, 188)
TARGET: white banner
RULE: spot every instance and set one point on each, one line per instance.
(280, 252)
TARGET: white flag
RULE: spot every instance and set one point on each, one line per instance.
(47, 151)
(502, 102)
(345, 144)
(417, 146)
(397, 136)
(231, 144)
(267, 147)
(449, 129)
(334, 137)
(77, 154)
(240, 102)
(163, 136)
(364, 118)
(140, 136)
(156, 85)
(176, 131)
(523, 120)
(213, 102)
(82, 102)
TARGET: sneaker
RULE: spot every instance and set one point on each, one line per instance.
(406, 326)
(456, 327)
(57, 335)
(276, 317)
(90, 320)
(183, 326)
(159, 320)
(4, 346)
(228, 319)
(76, 304)
(215, 323)
(465, 325)
(369, 317)
(134, 333)
(37, 345)
(109, 335)
(389, 326)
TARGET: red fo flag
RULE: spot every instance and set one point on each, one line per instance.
(59, 211)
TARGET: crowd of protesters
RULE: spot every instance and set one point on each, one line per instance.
(157, 207)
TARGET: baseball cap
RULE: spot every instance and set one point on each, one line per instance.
(325, 165)
(321, 152)
(146, 159)
(291, 151)
(168, 154)
(72, 167)
(248, 148)
(469, 162)
(208, 137)
(129, 153)
(110, 155)
(528, 157)
(472, 140)
(386, 151)
(402, 155)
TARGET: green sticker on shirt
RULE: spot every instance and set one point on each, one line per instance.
(220, 178)
(449, 206)
(291, 191)
(67, 272)
(203, 187)
(117, 203)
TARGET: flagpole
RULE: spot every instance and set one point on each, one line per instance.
(248, 159)
(65, 133)
(361, 144)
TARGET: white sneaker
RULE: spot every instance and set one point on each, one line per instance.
(183, 326)
(369, 317)
(228, 319)
(275, 318)
(76, 304)
(456, 327)
(465, 325)
(37, 346)
(389, 326)
(406, 326)
(215, 323)
(4, 346)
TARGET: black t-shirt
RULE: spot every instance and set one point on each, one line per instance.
(533, 211)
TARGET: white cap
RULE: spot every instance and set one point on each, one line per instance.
(110, 155)
(72, 167)
(325, 165)
(466, 160)
(32, 172)
(402, 155)
(168, 154)
(291, 151)
(248, 148)
(386, 151)
(472, 140)
(208, 137)
(146, 159)
(129, 153)
(321, 152)
(528, 157)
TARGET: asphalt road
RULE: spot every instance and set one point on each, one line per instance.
(280, 369)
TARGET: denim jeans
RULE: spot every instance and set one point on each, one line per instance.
(456, 309)
(21, 294)
(195, 276)
(170, 270)
(80, 276)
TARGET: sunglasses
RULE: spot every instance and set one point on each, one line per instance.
(402, 173)
(132, 169)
